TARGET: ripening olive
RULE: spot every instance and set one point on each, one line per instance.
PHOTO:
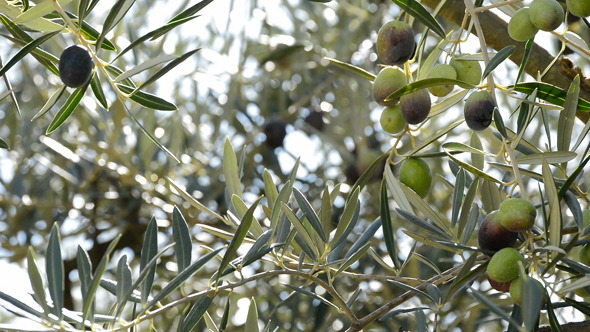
(500, 286)
(442, 71)
(546, 15)
(387, 82)
(520, 27)
(415, 106)
(516, 214)
(503, 266)
(395, 43)
(316, 120)
(75, 66)
(492, 236)
(479, 110)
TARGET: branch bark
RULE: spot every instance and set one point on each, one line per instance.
(495, 31)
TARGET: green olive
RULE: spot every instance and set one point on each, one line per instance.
(392, 120)
(503, 266)
(442, 71)
(468, 71)
(416, 174)
(520, 27)
(517, 214)
(580, 8)
(546, 15)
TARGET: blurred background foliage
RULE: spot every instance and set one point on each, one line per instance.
(261, 66)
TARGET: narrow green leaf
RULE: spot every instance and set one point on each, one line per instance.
(396, 191)
(301, 230)
(567, 117)
(312, 294)
(420, 13)
(149, 250)
(458, 193)
(352, 69)
(411, 289)
(550, 157)
(527, 53)
(84, 272)
(231, 170)
(98, 91)
(550, 93)
(436, 136)
(66, 110)
(26, 50)
(368, 173)
(225, 316)
(117, 12)
(82, 9)
(182, 238)
(553, 320)
(194, 315)
(50, 102)
(572, 178)
(147, 99)
(554, 207)
(433, 229)
(143, 66)
(192, 201)
(123, 280)
(460, 147)
(350, 210)
(387, 223)
(54, 267)
(151, 137)
(238, 238)
(180, 279)
(500, 123)
(426, 83)
(167, 68)
(326, 211)
(309, 213)
(21, 305)
(365, 238)
(154, 34)
(474, 170)
(353, 259)
(252, 317)
(471, 223)
(492, 306)
(427, 209)
(532, 301)
(190, 11)
(129, 295)
(270, 189)
(3, 144)
(466, 206)
(502, 55)
(100, 269)
(22, 38)
(36, 280)
(465, 275)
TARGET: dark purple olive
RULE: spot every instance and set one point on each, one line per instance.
(479, 110)
(492, 236)
(316, 120)
(415, 106)
(75, 66)
(275, 131)
(395, 43)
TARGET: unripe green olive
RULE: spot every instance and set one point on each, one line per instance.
(415, 106)
(516, 289)
(389, 80)
(503, 266)
(392, 120)
(520, 27)
(546, 15)
(580, 8)
(395, 43)
(517, 214)
(468, 71)
(415, 173)
(442, 71)
(479, 110)
(584, 254)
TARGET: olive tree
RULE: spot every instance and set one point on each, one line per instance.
(325, 165)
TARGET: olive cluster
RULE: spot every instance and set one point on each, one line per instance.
(497, 235)
(546, 15)
(395, 46)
